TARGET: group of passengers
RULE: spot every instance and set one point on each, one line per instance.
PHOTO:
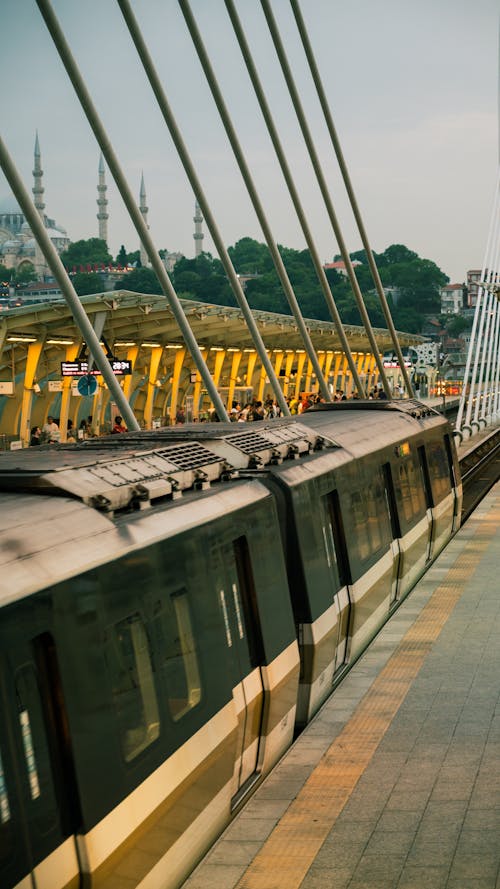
(252, 411)
(50, 432)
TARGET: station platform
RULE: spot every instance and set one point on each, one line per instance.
(396, 782)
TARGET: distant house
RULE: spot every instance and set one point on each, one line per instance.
(38, 292)
(339, 266)
(473, 281)
(453, 299)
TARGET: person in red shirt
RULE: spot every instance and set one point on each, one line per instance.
(118, 427)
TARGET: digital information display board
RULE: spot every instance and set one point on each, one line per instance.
(81, 368)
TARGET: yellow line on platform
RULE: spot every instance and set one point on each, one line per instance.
(290, 850)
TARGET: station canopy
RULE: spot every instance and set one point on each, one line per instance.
(137, 319)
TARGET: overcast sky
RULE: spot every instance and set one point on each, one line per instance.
(412, 87)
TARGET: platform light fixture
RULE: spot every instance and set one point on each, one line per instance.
(59, 341)
(21, 338)
(151, 345)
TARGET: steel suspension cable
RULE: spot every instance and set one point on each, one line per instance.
(50, 253)
(349, 187)
(134, 212)
(195, 183)
(297, 104)
(252, 191)
(465, 404)
(280, 153)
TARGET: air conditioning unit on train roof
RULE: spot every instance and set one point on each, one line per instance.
(111, 483)
(260, 444)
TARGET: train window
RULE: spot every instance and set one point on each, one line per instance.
(29, 754)
(179, 658)
(391, 500)
(229, 638)
(129, 662)
(439, 470)
(244, 592)
(335, 539)
(424, 468)
(4, 799)
(25, 679)
(360, 525)
(410, 490)
(370, 518)
(38, 772)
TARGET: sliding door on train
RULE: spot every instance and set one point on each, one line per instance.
(238, 602)
(38, 803)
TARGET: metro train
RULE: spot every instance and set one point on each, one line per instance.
(176, 605)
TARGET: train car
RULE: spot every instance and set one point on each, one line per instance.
(360, 524)
(175, 605)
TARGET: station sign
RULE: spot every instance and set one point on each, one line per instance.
(81, 368)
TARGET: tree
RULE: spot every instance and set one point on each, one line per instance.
(456, 324)
(82, 253)
(25, 273)
(139, 281)
(122, 257)
(87, 282)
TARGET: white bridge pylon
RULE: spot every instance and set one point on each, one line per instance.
(480, 399)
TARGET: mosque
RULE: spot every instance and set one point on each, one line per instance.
(18, 247)
(17, 244)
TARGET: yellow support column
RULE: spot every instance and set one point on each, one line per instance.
(252, 359)
(235, 363)
(197, 387)
(343, 374)
(132, 354)
(280, 356)
(220, 355)
(326, 373)
(336, 369)
(154, 364)
(71, 355)
(290, 358)
(301, 360)
(32, 359)
(176, 375)
(262, 382)
(321, 362)
(359, 366)
(307, 385)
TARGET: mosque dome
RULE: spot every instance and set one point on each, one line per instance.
(8, 204)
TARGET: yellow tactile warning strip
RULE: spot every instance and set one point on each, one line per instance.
(290, 850)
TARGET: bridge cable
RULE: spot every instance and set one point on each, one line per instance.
(318, 266)
(134, 212)
(349, 189)
(287, 73)
(68, 291)
(169, 119)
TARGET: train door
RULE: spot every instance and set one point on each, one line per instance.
(455, 485)
(338, 559)
(238, 601)
(37, 786)
(397, 556)
(429, 500)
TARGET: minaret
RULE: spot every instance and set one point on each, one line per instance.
(40, 265)
(102, 203)
(144, 212)
(198, 234)
(37, 176)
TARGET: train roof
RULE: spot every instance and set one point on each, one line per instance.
(131, 470)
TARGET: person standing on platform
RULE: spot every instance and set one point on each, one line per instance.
(118, 426)
(36, 436)
(51, 433)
